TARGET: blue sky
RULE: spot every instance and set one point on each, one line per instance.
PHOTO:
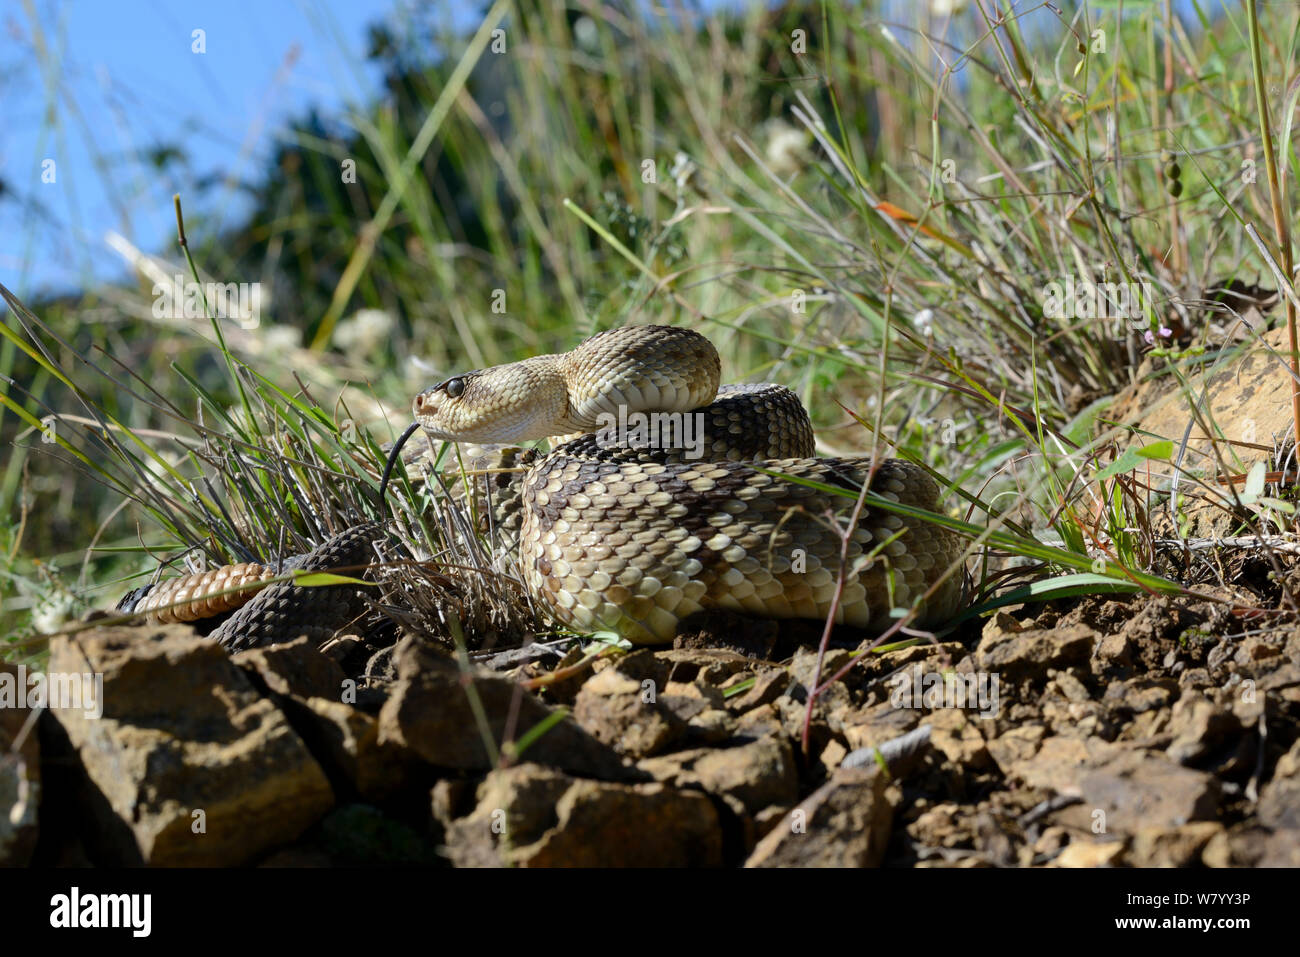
(90, 83)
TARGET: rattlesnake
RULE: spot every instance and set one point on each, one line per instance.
(726, 508)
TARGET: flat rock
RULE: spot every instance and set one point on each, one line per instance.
(346, 741)
(844, 823)
(758, 774)
(768, 685)
(713, 665)
(1016, 745)
(710, 726)
(960, 738)
(1027, 655)
(629, 713)
(1129, 787)
(294, 668)
(1247, 394)
(1199, 725)
(803, 667)
(1172, 846)
(1141, 694)
(532, 816)
(189, 764)
(877, 723)
(1087, 853)
(430, 711)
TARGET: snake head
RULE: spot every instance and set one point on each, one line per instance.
(512, 403)
(444, 408)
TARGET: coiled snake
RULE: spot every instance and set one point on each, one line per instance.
(675, 497)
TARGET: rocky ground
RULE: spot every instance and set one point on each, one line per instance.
(1129, 731)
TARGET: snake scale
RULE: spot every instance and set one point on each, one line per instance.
(675, 496)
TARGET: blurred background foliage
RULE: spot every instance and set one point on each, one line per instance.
(863, 202)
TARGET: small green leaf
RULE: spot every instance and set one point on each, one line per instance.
(739, 687)
(1063, 586)
(1286, 508)
(1132, 457)
(1163, 450)
(1127, 462)
(317, 579)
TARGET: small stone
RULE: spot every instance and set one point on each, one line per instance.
(833, 756)
(758, 774)
(1000, 625)
(803, 668)
(294, 668)
(844, 823)
(1172, 846)
(1141, 694)
(1199, 727)
(1117, 649)
(1256, 648)
(768, 686)
(1091, 854)
(759, 722)
(1123, 787)
(1016, 745)
(429, 712)
(1069, 687)
(877, 723)
(530, 816)
(347, 741)
(1220, 654)
(1028, 654)
(712, 726)
(625, 712)
(710, 694)
(711, 665)
(960, 738)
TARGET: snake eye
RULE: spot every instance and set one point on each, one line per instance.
(455, 388)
